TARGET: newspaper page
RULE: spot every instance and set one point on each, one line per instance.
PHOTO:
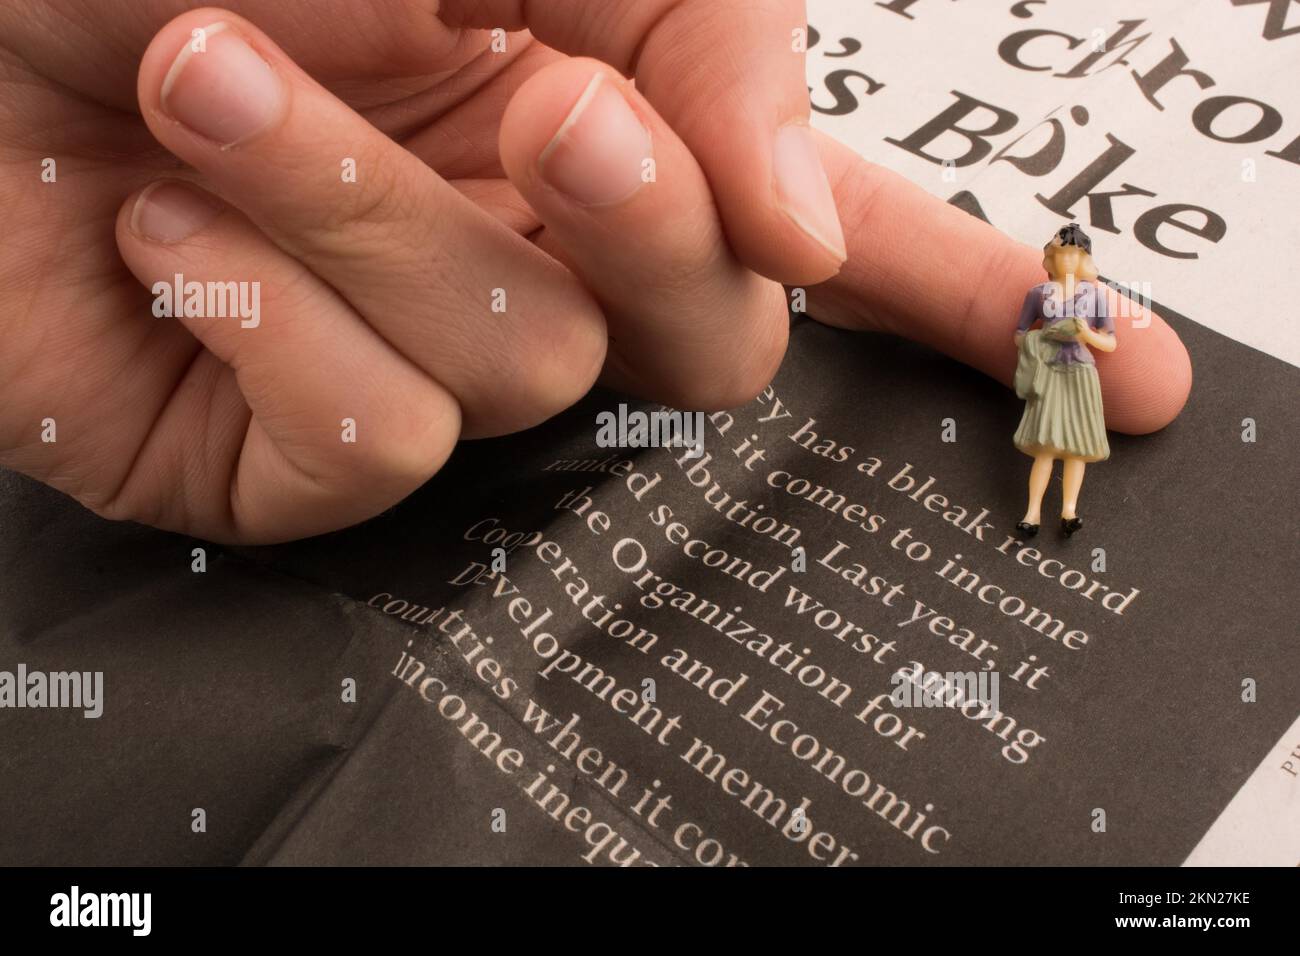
(563, 652)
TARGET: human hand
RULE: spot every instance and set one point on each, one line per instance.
(376, 295)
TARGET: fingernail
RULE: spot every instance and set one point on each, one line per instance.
(220, 88)
(599, 153)
(170, 212)
(802, 189)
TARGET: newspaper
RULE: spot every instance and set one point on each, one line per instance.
(558, 652)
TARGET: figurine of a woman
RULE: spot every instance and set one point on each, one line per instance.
(1057, 377)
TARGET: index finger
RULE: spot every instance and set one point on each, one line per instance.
(926, 270)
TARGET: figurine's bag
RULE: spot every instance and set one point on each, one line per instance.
(1036, 350)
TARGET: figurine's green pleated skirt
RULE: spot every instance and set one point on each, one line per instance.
(1066, 418)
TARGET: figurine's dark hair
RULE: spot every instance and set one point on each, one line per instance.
(1073, 235)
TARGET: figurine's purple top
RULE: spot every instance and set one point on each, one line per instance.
(1042, 305)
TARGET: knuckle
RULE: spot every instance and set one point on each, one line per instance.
(533, 382)
(738, 377)
(743, 385)
(757, 358)
(386, 196)
(411, 449)
(403, 464)
(567, 370)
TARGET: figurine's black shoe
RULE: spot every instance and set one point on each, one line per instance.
(1070, 525)
(1027, 529)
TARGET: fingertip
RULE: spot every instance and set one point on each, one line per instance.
(779, 212)
(1180, 388)
(803, 190)
(210, 81)
(541, 126)
(169, 50)
(1150, 376)
(167, 211)
(1169, 389)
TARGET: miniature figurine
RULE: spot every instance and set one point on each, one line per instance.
(1057, 377)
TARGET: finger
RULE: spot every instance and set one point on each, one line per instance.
(728, 76)
(462, 142)
(924, 269)
(332, 39)
(306, 365)
(500, 324)
(502, 202)
(628, 208)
